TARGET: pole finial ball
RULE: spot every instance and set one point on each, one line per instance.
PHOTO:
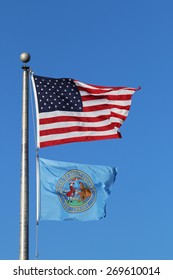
(25, 57)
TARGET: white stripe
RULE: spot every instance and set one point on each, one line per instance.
(82, 114)
(112, 92)
(116, 120)
(82, 124)
(107, 102)
(120, 112)
(77, 134)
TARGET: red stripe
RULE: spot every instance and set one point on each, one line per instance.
(78, 139)
(105, 107)
(101, 90)
(94, 91)
(108, 97)
(108, 87)
(80, 119)
(96, 86)
(77, 128)
(73, 119)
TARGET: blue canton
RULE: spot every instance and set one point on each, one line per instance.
(57, 94)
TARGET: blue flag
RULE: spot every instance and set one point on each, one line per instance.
(72, 191)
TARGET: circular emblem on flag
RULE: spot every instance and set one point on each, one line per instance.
(76, 191)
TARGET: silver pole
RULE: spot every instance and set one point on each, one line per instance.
(24, 187)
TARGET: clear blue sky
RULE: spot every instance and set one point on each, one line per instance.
(118, 43)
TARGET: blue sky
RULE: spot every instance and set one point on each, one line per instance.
(118, 43)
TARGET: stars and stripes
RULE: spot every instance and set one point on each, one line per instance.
(71, 111)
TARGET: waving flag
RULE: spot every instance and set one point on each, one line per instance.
(72, 191)
(72, 111)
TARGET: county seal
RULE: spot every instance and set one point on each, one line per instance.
(76, 191)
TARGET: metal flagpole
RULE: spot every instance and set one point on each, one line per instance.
(24, 187)
(37, 202)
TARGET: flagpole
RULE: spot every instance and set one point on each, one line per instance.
(37, 202)
(24, 186)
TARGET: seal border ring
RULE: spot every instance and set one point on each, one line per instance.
(64, 179)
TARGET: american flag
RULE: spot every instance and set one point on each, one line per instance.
(71, 111)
